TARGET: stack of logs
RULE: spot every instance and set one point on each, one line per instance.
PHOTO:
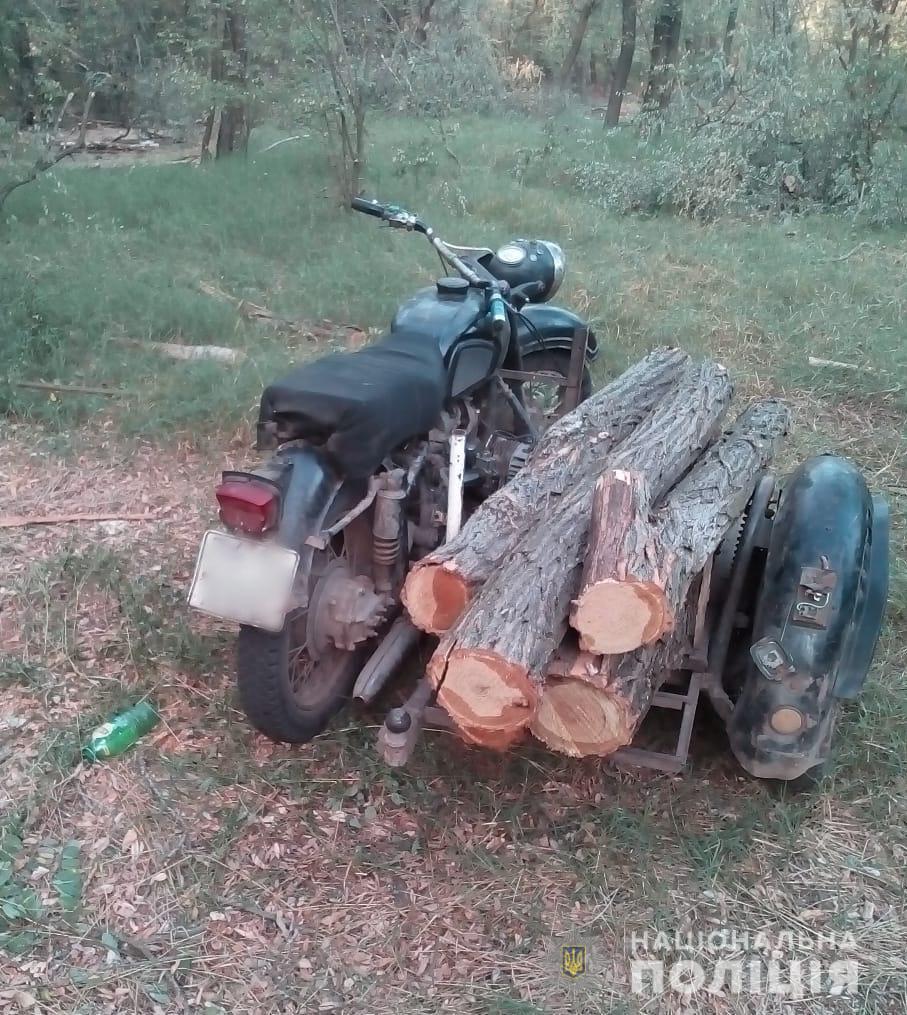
(565, 599)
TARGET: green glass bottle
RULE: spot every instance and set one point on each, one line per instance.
(121, 732)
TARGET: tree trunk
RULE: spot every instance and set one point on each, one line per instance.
(730, 30)
(665, 46)
(23, 77)
(624, 62)
(230, 65)
(576, 38)
(422, 18)
(441, 585)
(637, 573)
(489, 668)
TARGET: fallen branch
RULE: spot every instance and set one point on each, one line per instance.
(72, 389)
(817, 361)
(848, 255)
(219, 353)
(253, 312)
(282, 141)
(20, 521)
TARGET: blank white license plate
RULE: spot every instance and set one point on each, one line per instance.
(244, 580)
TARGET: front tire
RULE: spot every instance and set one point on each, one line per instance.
(279, 702)
(545, 401)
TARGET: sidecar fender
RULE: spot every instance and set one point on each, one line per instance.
(818, 617)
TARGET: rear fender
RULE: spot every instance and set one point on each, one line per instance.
(314, 497)
(817, 620)
(541, 327)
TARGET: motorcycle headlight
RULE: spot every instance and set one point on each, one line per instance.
(522, 261)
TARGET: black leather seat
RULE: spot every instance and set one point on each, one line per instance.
(361, 405)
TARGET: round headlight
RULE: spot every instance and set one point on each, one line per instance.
(520, 262)
(559, 263)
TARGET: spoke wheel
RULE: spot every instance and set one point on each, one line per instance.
(292, 683)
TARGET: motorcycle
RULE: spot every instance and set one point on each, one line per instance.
(378, 455)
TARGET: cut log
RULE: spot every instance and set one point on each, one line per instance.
(637, 574)
(495, 740)
(592, 705)
(490, 667)
(620, 547)
(440, 586)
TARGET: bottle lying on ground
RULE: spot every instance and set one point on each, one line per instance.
(119, 734)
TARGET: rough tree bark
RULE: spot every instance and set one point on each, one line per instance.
(229, 64)
(637, 574)
(583, 14)
(596, 703)
(441, 585)
(620, 547)
(624, 62)
(665, 47)
(490, 668)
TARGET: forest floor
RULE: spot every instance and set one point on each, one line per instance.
(211, 871)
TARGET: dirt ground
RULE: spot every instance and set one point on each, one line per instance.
(209, 870)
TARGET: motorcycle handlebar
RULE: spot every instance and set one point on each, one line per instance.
(367, 207)
(402, 218)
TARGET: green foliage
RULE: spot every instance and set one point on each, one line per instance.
(791, 136)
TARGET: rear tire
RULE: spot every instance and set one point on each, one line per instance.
(266, 690)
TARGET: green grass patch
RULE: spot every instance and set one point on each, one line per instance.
(90, 258)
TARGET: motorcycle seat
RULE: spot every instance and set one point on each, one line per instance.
(360, 406)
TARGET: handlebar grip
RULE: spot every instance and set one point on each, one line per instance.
(368, 207)
(498, 312)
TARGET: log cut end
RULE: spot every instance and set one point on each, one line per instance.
(494, 740)
(435, 597)
(619, 616)
(482, 691)
(578, 719)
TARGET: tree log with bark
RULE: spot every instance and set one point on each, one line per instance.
(637, 574)
(592, 705)
(596, 703)
(441, 585)
(490, 668)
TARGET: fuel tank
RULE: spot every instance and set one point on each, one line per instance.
(450, 312)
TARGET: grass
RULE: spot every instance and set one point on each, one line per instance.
(210, 871)
(89, 258)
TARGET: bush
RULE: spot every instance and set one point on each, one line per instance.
(794, 138)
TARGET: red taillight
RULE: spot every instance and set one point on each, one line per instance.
(248, 507)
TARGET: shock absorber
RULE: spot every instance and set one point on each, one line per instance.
(386, 533)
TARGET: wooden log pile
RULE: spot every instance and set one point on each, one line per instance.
(566, 597)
